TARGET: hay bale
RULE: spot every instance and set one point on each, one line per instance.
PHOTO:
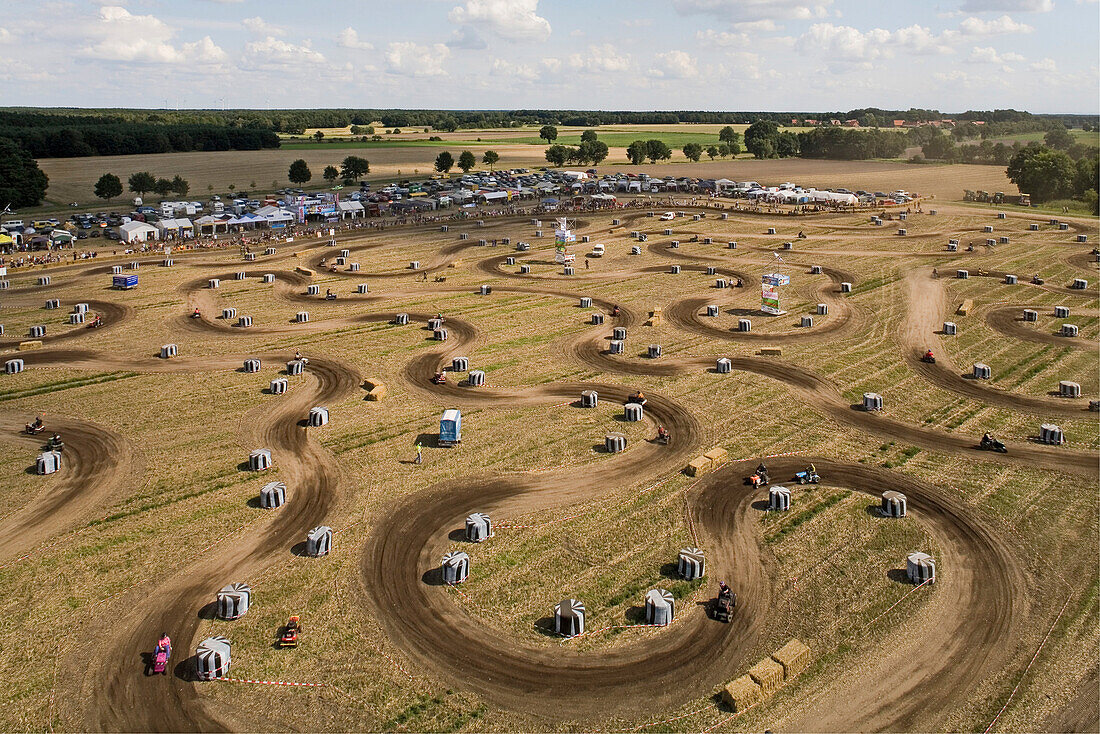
(699, 466)
(768, 674)
(771, 351)
(742, 693)
(794, 657)
(30, 344)
(965, 307)
(377, 391)
(717, 456)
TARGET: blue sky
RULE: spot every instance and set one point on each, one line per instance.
(813, 55)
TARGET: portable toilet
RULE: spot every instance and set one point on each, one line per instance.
(450, 428)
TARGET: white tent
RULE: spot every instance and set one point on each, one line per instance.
(350, 209)
(137, 232)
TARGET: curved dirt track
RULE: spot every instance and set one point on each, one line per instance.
(119, 696)
(1009, 321)
(93, 463)
(670, 666)
(979, 604)
(113, 315)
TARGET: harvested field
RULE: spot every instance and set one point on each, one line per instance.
(155, 509)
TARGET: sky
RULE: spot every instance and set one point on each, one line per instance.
(756, 55)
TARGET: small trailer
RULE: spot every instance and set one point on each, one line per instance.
(450, 428)
(124, 282)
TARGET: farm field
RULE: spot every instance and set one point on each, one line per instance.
(73, 179)
(156, 508)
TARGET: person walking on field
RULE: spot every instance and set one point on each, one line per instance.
(419, 453)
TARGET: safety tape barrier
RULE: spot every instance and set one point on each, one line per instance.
(290, 684)
(40, 548)
(1028, 668)
(669, 721)
(899, 601)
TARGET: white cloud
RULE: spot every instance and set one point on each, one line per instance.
(503, 67)
(978, 27)
(600, 59)
(993, 6)
(722, 38)
(515, 20)
(411, 59)
(257, 26)
(674, 65)
(844, 43)
(765, 25)
(349, 38)
(551, 64)
(989, 55)
(1046, 64)
(122, 36)
(752, 10)
(274, 51)
(467, 38)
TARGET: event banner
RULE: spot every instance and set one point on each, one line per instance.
(769, 299)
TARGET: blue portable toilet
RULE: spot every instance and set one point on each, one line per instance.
(450, 428)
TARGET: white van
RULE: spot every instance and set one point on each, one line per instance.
(668, 216)
(597, 251)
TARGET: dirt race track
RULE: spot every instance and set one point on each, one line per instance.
(987, 606)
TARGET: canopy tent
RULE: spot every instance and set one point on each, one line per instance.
(137, 232)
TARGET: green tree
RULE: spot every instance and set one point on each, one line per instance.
(1058, 138)
(354, 167)
(181, 186)
(593, 151)
(730, 137)
(588, 136)
(466, 161)
(444, 162)
(725, 150)
(141, 182)
(318, 136)
(1044, 173)
(712, 151)
(355, 130)
(490, 158)
(636, 152)
(939, 147)
(762, 139)
(331, 173)
(299, 172)
(162, 187)
(657, 150)
(693, 151)
(22, 182)
(1088, 175)
(549, 133)
(787, 144)
(108, 186)
(557, 154)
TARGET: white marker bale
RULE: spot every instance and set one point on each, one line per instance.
(460, 364)
(807, 322)
(721, 283)
(279, 386)
(524, 269)
(259, 460)
(712, 310)
(53, 303)
(302, 317)
(440, 334)
(353, 268)
(1031, 314)
(1069, 330)
(116, 270)
(213, 283)
(654, 351)
(711, 270)
(845, 287)
(167, 351)
(615, 346)
(962, 274)
(569, 618)
(586, 302)
(479, 527)
(269, 251)
(691, 564)
(779, 499)
(318, 417)
(401, 319)
(13, 366)
(982, 371)
(362, 288)
(455, 567)
(43, 280)
(38, 331)
(1079, 284)
(568, 270)
(950, 328)
(894, 504)
(48, 462)
(744, 325)
(1069, 389)
(660, 607)
(212, 658)
(920, 568)
(597, 319)
(76, 318)
(674, 269)
(476, 378)
(589, 399)
(1061, 312)
(632, 412)
(619, 332)
(1011, 279)
(319, 541)
(987, 228)
(313, 290)
(815, 270)
(723, 366)
(295, 367)
(241, 275)
(268, 278)
(822, 309)
(233, 601)
(872, 401)
(229, 313)
(614, 443)
(731, 245)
